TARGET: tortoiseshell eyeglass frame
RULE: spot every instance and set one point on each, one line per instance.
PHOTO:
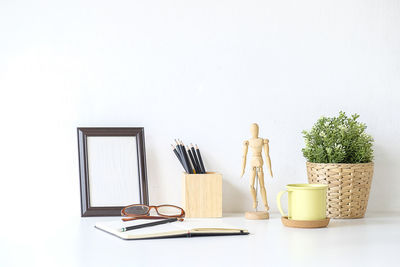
(130, 217)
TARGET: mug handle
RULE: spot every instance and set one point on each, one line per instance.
(278, 201)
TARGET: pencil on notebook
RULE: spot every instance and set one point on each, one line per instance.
(134, 227)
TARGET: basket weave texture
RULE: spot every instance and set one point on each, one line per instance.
(348, 187)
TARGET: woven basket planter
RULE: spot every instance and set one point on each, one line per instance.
(348, 187)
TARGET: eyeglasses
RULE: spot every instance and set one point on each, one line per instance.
(141, 211)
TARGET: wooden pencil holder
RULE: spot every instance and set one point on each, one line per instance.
(202, 195)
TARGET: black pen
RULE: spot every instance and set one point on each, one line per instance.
(147, 224)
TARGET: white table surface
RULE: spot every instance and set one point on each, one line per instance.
(371, 241)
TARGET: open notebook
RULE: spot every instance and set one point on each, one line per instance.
(187, 228)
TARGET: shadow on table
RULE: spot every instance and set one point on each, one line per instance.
(369, 219)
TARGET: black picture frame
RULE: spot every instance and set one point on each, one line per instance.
(83, 134)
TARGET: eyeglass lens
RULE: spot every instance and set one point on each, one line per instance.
(168, 211)
(137, 210)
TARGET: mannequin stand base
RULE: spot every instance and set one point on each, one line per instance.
(257, 215)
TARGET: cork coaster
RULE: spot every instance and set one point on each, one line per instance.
(257, 215)
(305, 224)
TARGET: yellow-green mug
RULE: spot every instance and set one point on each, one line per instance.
(306, 202)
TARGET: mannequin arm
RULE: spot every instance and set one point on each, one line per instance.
(245, 149)
(268, 159)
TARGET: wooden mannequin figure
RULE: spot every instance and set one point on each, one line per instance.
(256, 164)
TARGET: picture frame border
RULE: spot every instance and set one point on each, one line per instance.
(83, 134)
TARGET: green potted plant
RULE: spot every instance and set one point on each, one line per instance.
(339, 153)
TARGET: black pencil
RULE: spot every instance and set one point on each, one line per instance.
(186, 157)
(177, 154)
(195, 157)
(182, 156)
(147, 224)
(200, 160)
(196, 168)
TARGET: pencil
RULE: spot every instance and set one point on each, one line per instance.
(177, 154)
(182, 156)
(200, 160)
(195, 157)
(124, 229)
(186, 157)
(196, 168)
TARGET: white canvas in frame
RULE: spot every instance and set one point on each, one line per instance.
(113, 171)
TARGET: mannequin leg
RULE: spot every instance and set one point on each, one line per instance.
(252, 188)
(262, 188)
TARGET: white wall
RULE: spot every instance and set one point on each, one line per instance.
(201, 71)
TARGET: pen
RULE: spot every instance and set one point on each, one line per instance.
(124, 229)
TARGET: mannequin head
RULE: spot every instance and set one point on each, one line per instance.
(254, 130)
